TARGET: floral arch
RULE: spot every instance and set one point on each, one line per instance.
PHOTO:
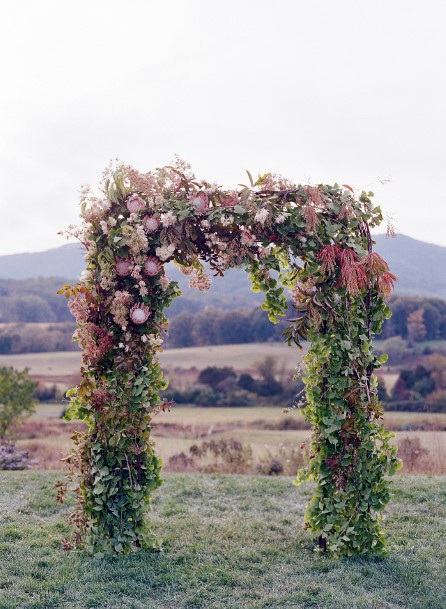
(318, 240)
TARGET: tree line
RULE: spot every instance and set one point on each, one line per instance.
(413, 319)
(29, 301)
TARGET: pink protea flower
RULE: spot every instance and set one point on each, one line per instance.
(152, 266)
(122, 267)
(230, 200)
(151, 224)
(139, 313)
(135, 204)
(200, 202)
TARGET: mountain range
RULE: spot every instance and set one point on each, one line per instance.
(419, 266)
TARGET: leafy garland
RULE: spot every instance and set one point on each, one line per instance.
(318, 240)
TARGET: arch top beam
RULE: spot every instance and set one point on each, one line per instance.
(318, 239)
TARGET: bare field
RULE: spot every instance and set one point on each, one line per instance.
(241, 357)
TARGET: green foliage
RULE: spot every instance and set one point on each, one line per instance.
(16, 397)
(318, 240)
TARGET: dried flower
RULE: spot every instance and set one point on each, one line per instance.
(143, 183)
(315, 195)
(353, 278)
(120, 307)
(200, 281)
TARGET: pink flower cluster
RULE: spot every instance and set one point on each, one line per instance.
(94, 341)
(79, 307)
(200, 281)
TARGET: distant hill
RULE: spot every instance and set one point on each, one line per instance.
(420, 268)
(65, 261)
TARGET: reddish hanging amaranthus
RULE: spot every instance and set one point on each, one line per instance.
(376, 266)
(329, 256)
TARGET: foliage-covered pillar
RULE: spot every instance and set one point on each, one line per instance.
(350, 453)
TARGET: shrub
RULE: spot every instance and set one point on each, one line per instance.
(43, 393)
(216, 377)
(411, 452)
(12, 459)
(286, 460)
(406, 406)
(16, 397)
(224, 456)
(436, 401)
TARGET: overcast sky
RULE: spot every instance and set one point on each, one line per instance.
(346, 90)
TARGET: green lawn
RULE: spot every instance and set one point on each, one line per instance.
(230, 542)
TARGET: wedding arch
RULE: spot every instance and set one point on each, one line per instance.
(317, 240)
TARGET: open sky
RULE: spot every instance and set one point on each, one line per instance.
(346, 90)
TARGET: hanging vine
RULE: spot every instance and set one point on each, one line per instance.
(318, 239)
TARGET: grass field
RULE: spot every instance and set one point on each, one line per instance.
(242, 356)
(230, 542)
(67, 363)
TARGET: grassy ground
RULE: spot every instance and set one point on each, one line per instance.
(230, 542)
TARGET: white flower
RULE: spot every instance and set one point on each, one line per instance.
(281, 218)
(144, 338)
(165, 282)
(261, 216)
(227, 220)
(103, 225)
(165, 251)
(112, 222)
(155, 341)
(205, 224)
(168, 219)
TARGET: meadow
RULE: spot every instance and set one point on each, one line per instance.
(268, 432)
(232, 542)
(241, 356)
